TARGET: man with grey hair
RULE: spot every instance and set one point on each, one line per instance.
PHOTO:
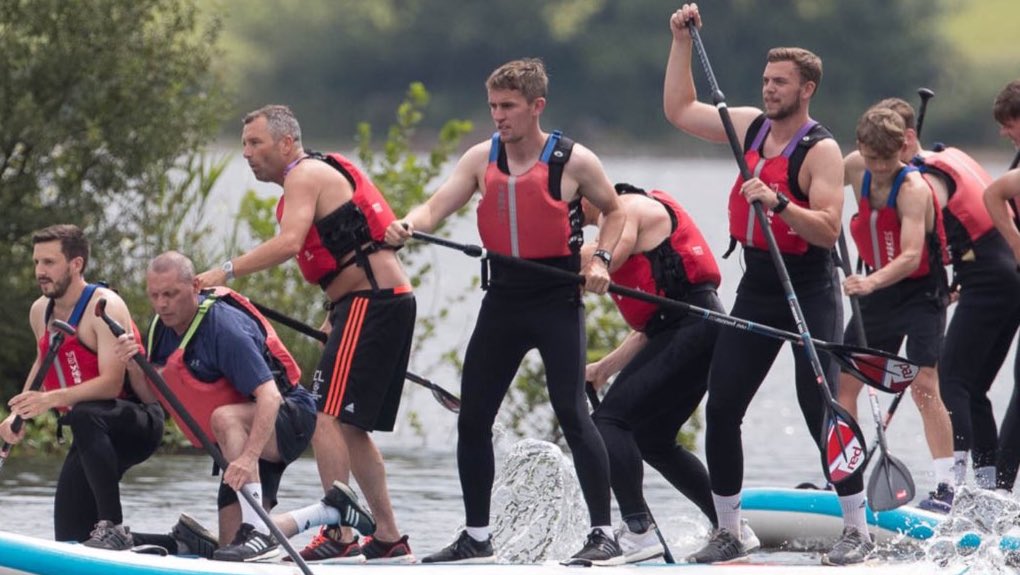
(228, 368)
(332, 220)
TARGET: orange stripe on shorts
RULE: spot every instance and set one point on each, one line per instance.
(344, 355)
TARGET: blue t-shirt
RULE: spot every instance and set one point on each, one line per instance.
(227, 344)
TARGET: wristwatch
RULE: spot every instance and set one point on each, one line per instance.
(228, 269)
(783, 202)
(605, 256)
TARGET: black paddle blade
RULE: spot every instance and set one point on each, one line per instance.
(890, 485)
(446, 399)
(843, 448)
(883, 371)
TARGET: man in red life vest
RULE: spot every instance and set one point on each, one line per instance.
(899, 235)
(531, 184)
(984, 286)
(1001, 198)
(798, 180)
(332, 220)
(662, 364)
(112, 429)
(225, 363)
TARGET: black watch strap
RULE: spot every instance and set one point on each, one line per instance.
(783, 202)
(604, 255)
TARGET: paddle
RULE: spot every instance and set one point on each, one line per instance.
(880, 369)
(207, 443)
(891, 484)
(842, 441)
(60, 331)
(445, 398)
(925, 94)
(667, 555)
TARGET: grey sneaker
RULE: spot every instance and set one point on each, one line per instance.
(853, 547)
(722, 547)
(193, 539)
(106, 535)
(464, 550)
(249, 545)
(352, 513)
(598, 549)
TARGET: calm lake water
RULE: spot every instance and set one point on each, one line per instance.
(421, 462)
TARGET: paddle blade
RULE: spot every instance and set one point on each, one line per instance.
(446, 399)
(843, 447)
(883, 371)
(890, 485)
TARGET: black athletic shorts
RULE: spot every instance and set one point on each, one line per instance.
(913, 309)
(360, 376)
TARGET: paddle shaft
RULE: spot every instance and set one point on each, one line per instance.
(706, 314)
(63, 330)
(196, 429)
(925, 95)
(858, 319)
(667, 555)
(449, 401)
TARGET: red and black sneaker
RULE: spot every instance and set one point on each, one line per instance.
(326, 547)
(378, 551)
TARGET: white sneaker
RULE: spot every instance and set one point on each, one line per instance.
(638, 547)
(748, 538)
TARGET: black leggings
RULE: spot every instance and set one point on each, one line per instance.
(976, 344)
(507, 328)
(110, 436)
(742, 359)
(650, 400)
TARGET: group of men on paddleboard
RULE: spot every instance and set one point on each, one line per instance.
(223, 367)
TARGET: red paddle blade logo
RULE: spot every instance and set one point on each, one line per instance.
(893, 375)
(843, 458)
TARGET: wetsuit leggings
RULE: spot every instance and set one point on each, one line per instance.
(742, 359)
(507, 328)
(654, 395)
(110, 436)
(976, 344)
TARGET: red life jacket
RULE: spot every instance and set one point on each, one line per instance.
(75, 362)
(779, 172)
(524, 216)
(966, 218)
(877, 232)
(202, 398)
(357, 227)
(670, 269)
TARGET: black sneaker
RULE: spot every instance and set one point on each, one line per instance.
(599, 549)
(106, 535)
(722, 547)
(940, 500)
(249, 545)
(377, 551)
(464, 550)
(852, 547)
(193, 539)
(352, 514)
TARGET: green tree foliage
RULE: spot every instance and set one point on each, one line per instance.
(99, 100)
(342, 60)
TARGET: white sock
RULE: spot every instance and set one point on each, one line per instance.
(727, 508)
(315, 515)
(606, 530)
(248, 513)
(478, 533)
(853, 511)
(944, 470)
(985, 477)
(959, 467)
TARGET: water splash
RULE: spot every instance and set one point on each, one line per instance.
(980, 535)
(540, 513)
